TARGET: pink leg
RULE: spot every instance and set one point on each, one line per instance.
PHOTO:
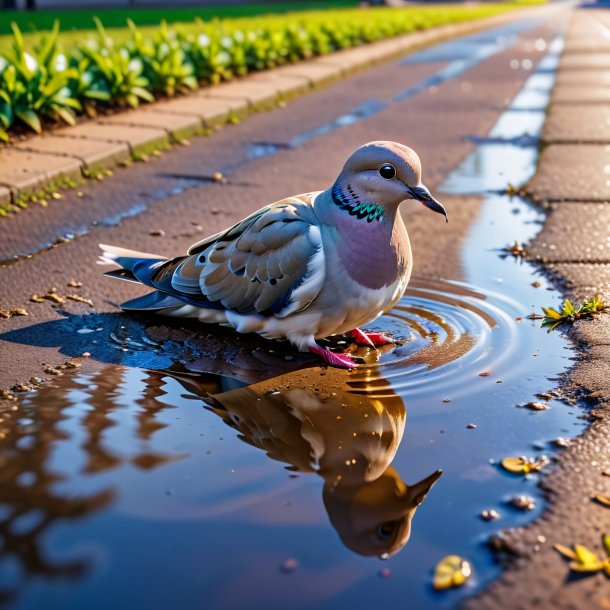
(343, 361)
(371, 339)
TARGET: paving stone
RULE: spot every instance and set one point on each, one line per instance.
(588, 78)
(286, 85)
(350, 60)
(210, 110)
(23, 170)
(577, 172)
(563, 94)
(137, 138)
(256, 93)
(585, 61)
(91, 153)
(583, 280)
(5, 195)
(316, 73)
(580, 44)
(177, 125)
(574, 232)
(574, 124)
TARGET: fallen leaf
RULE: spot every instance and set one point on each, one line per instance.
(451, 571)
(79, 299)
(603, 500)
(523, 465)
(566, 551)
(584, 560)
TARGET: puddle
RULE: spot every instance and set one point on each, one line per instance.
(238, 476)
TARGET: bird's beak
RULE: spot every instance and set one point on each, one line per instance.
(421, 193)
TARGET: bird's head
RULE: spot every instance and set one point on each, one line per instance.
(374, 518)
(379, 176)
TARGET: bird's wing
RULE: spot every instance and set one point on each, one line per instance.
(270, 263)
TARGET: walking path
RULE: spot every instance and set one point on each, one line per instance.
(573, 183)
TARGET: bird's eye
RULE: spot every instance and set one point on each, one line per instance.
(385, 530)
(387, 171)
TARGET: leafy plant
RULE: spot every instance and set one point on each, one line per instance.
(32, 87)
(569, 313)
(121, 74)
(167, 67)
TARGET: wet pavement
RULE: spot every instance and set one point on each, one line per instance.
(239, 472)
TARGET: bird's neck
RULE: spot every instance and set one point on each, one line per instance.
(348, 201)
(374, 252)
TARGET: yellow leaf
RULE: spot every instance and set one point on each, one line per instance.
(551, 313)
(586, 557)
(589, 567)
(521, 465)
(451, 571)
(604, 500)
(606, 541)
(565, 551)
(513, 464)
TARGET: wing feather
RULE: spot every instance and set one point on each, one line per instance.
(269, 263)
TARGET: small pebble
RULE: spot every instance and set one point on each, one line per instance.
(471, 426)
(85, 355)
(562, 442)
(72, 283)
(523, 502)
(537, 406)
(490, 515)
(157, 233)
(21, 387)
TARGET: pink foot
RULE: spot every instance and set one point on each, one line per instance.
(371, 339)
(343, 361)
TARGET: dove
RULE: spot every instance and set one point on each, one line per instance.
(304, 268)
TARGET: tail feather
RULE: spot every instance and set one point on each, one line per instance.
(141, 267)
(127, 259)
(153, 301)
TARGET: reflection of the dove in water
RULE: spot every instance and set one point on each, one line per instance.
(348, 437)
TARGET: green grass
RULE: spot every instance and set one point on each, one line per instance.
(82, 19)
(76, 24)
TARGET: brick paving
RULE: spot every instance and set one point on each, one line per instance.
(574, 245)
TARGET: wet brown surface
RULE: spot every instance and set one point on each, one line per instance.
(440, 147)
